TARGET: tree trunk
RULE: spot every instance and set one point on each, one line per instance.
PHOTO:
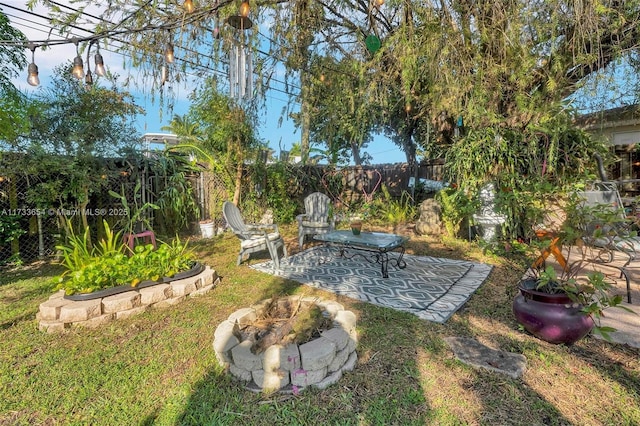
(238, 183)
(305, 144)
(355, 151)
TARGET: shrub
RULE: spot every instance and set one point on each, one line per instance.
(111, 263)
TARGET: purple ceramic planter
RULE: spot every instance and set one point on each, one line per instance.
(554, 318)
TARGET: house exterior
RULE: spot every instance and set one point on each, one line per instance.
(158, 141)
(621, 128)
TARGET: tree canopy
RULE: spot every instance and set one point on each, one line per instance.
(12, 57)
(74, 130)
(419, 66)
(13, 108)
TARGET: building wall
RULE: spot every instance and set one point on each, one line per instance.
(620, 127)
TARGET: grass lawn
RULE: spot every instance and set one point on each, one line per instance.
(159, 367)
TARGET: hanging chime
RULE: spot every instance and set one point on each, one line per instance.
(240, 58)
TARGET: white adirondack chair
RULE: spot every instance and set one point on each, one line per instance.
(316, 219)
(254, 237)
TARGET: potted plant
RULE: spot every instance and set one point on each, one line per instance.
(564, 306)
(356, 224)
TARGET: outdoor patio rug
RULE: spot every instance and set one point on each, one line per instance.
(429, 287)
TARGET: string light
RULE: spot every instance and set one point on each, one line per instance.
(164, 75)
(33, 78)
(88, 78)
(78, 65)
(244, 9)
(100, 70)
(168, 53)
(379, 3)
(188, 6)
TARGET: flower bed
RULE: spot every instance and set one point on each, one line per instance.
(60, 313)
(195, 270)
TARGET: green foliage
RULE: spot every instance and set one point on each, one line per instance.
(10, 228)
(341, 119)
(110, 263)
(15, 110)
(98, 121)
(437, 61)
(527, 168)
(78, 249)
(395, 211)
(456, 207)
(175, 195)
(73, 131)
(147, 263)
(12, 58)
(137, 214)
(281, 193)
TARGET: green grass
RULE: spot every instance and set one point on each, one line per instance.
(159, 367)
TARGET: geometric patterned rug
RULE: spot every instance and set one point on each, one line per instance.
(429, 287)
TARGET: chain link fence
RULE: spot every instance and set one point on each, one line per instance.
(29, 232)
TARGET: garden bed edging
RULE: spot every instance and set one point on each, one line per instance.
(60, 313)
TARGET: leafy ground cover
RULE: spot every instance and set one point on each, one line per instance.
(159, 367)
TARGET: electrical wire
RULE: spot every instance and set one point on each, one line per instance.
(195, 66)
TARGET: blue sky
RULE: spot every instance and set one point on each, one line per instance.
(35, 28)
(381, 149)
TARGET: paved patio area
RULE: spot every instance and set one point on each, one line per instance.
(626, 323)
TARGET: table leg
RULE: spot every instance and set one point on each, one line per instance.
(383, 258)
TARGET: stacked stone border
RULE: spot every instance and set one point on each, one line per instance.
(58, 313)
(291, 368)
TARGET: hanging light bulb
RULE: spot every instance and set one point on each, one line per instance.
(88, 79)
(33, 78)
(244, 9)
(378, 3)
(32, 70)
(78, 66)
(100, 70)
(188, 6)
(168, 53)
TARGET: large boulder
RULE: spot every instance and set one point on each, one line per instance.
(430, 218)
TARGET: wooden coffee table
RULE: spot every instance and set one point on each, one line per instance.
(372, 246)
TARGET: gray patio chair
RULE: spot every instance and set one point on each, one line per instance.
(617, 237)
(254, 237)
(614, 235)
(316, 218)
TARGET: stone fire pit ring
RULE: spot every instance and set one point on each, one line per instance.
(291, 368)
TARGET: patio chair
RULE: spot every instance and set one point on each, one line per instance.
(254, 237)
(618, 236)
(612, 237)
(316, 218)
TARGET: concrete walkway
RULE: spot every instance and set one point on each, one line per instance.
(626, 323)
